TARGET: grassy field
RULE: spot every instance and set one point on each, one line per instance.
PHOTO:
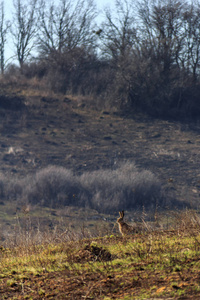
(161, 264)
(77, 253)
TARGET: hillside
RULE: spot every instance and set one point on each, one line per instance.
(65, 131)
(60, 252)
(39, 128)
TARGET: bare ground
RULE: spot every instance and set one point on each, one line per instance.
(64, 131)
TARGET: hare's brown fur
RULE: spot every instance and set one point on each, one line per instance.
(124, 228)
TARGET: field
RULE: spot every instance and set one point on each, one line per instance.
(153, 265)
(77, 253)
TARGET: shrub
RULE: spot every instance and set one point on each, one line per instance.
(125, 187)
(52, 186)
(122, 188)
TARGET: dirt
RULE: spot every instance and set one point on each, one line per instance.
(60, 131)
(82, 284)
(63, 131)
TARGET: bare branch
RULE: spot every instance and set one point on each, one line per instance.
(23, 29)
(4, 27)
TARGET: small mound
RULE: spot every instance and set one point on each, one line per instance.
(93, 253)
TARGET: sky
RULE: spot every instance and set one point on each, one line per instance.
(9, 9)
(100, 3)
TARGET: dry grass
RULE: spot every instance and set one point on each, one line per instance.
(158, 264)
(55, 130)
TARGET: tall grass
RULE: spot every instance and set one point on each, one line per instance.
(106, 190)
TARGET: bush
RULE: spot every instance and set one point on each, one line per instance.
(123, 188)
(108, 190)
(103, 190)
(52, 186)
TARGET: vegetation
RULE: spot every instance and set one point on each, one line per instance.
(103, 190)
(143, 56)
(159, 264)
(57, 151)
(78, 144)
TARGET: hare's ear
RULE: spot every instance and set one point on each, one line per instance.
(122, 213)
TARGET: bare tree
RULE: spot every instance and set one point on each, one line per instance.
(66, 41)
(118, 30)
(4, 26)
(66, 26)
(167, 63)
(23, 29)
(118, 37)
(190, 56)
(162, 31)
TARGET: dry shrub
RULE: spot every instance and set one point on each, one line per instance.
(52, 186)
(187, 221)
(125, 187)
(26, 235)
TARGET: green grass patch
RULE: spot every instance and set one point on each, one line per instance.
(157, 264)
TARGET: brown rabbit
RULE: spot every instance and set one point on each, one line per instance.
(125, 228)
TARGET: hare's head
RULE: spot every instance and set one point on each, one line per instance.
(120, 220)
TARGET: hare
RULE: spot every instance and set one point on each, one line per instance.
(125, 228)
